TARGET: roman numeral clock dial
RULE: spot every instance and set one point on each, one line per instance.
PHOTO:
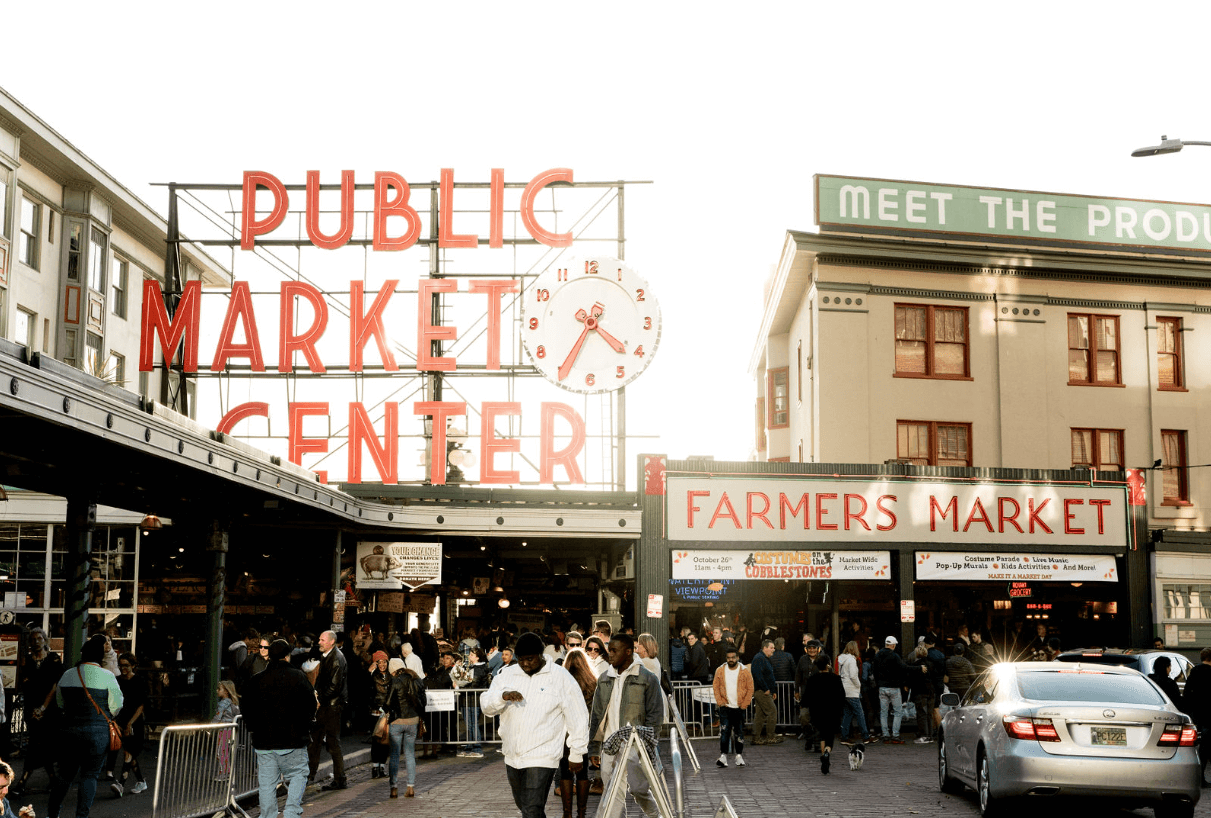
(590, 326)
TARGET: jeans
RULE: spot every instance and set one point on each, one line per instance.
(767, 715)
(731, 721)
(890, 697)
(471, 718)
(290, 767)
(637, 782)
(403, 735)
(853, 710)
(326, 732)
(530, 786)
(82, 748)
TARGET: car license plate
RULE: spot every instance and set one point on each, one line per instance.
(1110, 736)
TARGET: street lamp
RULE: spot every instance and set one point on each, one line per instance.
(1167, 145)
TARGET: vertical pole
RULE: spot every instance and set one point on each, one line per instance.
(336, 575)
(435, 378)
(175, 287)
(835, 624)
(81, 525)
(620, 479)
(216, 596)
(907, 566)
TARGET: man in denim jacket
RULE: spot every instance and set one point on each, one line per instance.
(627, 694)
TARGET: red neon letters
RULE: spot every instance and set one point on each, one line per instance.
(391, 195)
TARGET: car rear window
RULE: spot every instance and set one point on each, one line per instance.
(1088, 686)
(1101, 658)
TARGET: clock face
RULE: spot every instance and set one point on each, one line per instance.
(590, 326)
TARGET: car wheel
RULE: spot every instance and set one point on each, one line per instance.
(945, 782)
(1181, 810)
(990, 807)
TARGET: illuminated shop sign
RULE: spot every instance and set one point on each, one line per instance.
(591, 324)
(860, 512)
(701, 590)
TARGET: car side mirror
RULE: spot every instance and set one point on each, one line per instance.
(950, 700)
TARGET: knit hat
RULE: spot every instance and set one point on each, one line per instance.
(394, 665)
(379, 654)
(528, 644)
(279, 649)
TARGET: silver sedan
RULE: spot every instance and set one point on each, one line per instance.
(1052, 729)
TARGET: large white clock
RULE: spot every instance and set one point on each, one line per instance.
(590, 326)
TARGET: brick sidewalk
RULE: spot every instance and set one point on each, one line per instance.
(780, 781)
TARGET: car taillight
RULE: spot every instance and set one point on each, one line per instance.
(1178, 735)
(1027, 728)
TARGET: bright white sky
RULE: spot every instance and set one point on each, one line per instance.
(728, 108)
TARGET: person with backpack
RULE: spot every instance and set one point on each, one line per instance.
(405, 705)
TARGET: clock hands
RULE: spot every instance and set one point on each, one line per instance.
(568, 362)
(590, 324)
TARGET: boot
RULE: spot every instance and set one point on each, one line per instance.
(582, 798)
(565, 793)
(19, 787)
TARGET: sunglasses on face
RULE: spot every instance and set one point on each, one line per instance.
(264, 647)
(574, 644)
(592, 649)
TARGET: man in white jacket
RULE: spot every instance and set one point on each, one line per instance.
(540, 707)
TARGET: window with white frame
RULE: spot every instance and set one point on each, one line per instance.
(1186, 600)
(96, 261)
(118, 271)
(23, 328)
(27, 241)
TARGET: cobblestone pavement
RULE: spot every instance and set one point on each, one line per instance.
(779, 781)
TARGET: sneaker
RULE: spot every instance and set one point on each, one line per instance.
(923, 740)
(824, 762)
(140, 786)
(117, 788)
(475, 754)
(776, 740)
(722, 762)
(739, 760)
(335, 785)
(896, 740)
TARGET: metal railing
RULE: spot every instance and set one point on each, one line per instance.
(202, 769)
(696, 703)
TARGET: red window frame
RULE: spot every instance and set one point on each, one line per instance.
(779, 459)
(931, 342)
(1097, 459)
(933, 428)
(1092, 350)
(772, 399)
(1175, 477)
(1169, 355)
(760, 424)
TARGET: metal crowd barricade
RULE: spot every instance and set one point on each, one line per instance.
(446, 718)
(696, 703)
(202, 769)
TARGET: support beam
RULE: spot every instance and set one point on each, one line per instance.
(81, 526)
(216, 597)
(908, 569)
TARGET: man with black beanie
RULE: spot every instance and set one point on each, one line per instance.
(279, 705)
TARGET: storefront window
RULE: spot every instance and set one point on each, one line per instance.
(1187, 601)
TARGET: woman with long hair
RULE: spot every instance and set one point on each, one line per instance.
(577, 663)
(849, 668)
(88, 695)
(405, 705)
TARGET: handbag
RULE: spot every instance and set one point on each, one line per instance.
(115, 732)
(381, 731)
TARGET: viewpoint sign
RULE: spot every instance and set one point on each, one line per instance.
(883, 205)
